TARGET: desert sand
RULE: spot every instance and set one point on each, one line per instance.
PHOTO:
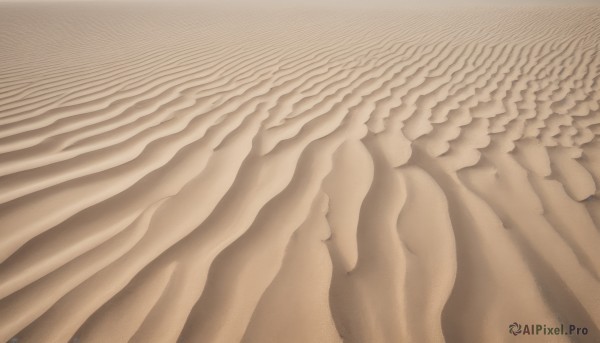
(203, 174)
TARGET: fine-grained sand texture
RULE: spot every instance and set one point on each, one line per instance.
(178, 174)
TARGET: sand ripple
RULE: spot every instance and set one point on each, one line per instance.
(177, 175)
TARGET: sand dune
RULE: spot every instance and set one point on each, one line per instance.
(174, 174)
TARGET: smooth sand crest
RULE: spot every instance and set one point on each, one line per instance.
(173, 174)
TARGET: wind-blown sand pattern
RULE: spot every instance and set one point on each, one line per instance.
(182, 174)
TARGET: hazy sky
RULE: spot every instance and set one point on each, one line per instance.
(344, 3)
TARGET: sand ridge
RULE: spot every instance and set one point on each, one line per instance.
(207, 175)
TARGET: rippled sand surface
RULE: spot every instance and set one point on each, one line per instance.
(178, 174)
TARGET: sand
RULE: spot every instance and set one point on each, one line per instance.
(196, 174)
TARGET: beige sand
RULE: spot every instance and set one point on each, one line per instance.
(178, 174)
